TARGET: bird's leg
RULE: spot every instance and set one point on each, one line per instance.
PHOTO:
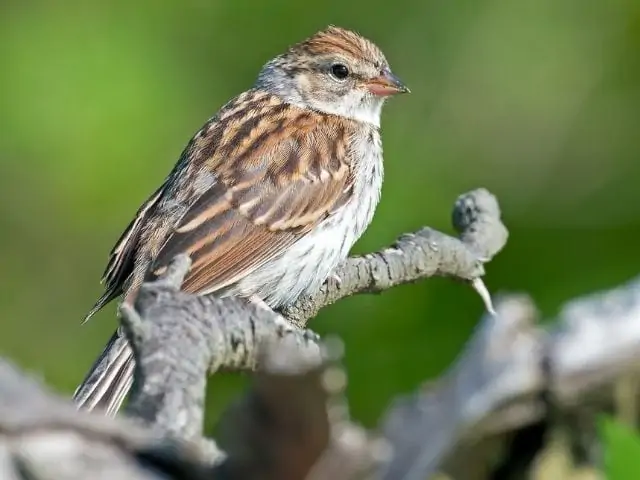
(261, 304)
(336, 278)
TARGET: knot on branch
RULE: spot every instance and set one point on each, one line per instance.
(476, 217)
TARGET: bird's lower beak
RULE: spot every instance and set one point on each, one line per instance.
(386, 84)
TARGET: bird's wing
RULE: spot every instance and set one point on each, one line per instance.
(122, 256)
(278, 171)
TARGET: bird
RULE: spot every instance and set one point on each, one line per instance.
(266, 198)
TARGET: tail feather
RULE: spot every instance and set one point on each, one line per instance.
(109, 380)
(120, 387)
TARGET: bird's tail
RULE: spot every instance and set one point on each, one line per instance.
(109, 379)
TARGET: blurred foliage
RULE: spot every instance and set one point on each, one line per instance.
(622, 457)
(537, 100)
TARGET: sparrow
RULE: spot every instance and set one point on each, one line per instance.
(267, 197)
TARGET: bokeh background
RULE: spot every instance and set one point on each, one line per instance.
(537, 100)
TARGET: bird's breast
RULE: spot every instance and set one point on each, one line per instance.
(307, 263)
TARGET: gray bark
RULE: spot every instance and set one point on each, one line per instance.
(293, 422)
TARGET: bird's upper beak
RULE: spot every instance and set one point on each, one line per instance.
(386, 84)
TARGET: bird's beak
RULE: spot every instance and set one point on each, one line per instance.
(386, 84)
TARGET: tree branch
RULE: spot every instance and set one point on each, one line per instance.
(513, 373)
(178, 339)
(416, 256)
(293, 423)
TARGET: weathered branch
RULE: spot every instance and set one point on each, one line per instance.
(415, 256)
(187, 336)
(45, 437)
(514, 372)
(179, 339)
(293, 423)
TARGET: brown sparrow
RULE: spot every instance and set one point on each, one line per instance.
(267, 198)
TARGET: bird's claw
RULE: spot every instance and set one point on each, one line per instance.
(336, 278)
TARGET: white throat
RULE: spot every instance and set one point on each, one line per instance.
(368, 111)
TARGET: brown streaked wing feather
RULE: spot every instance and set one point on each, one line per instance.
(125, 246)
(122, 256)
(279, 177)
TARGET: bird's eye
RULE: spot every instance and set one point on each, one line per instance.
(339, 71)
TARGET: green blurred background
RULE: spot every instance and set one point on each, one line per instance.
(537, 100)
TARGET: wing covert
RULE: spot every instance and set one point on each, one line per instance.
(283, 175)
